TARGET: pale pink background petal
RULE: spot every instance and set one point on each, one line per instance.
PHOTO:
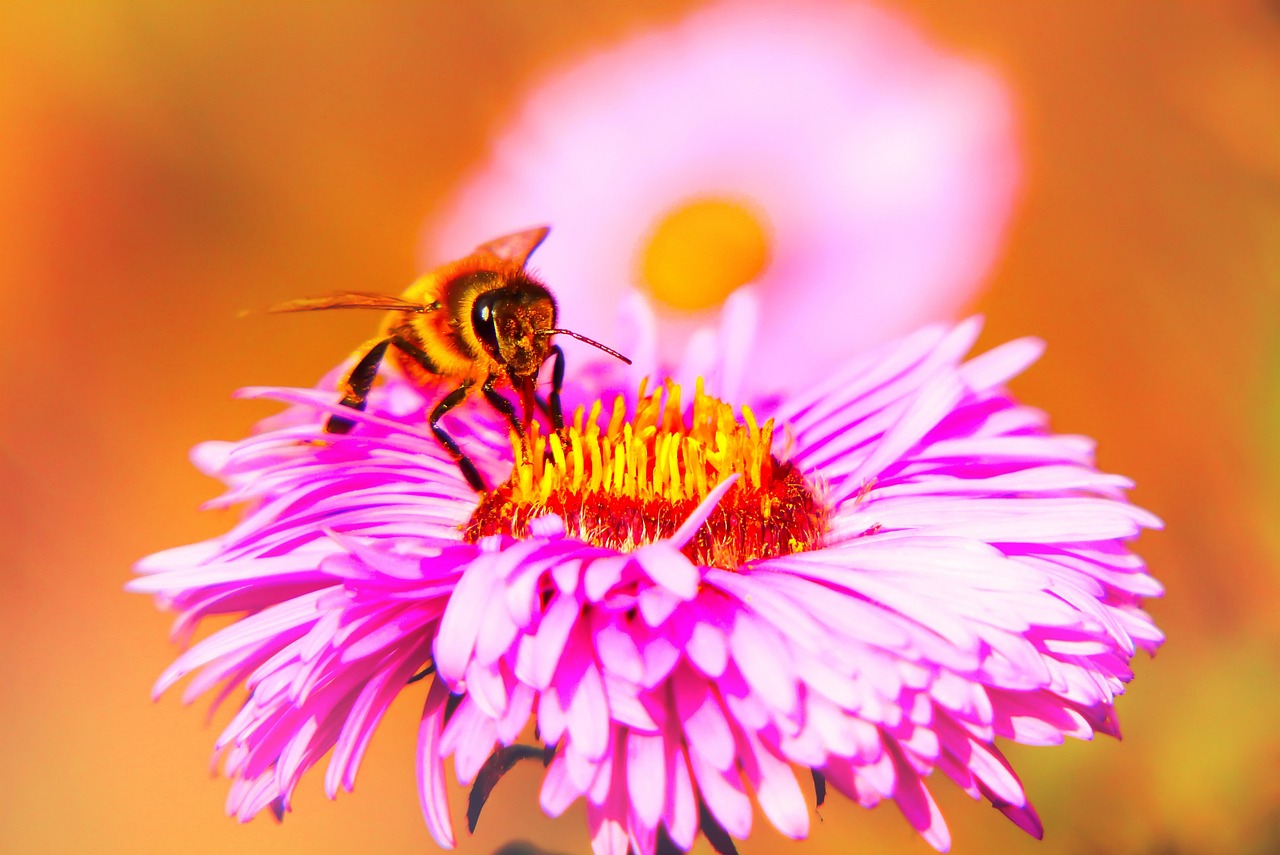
(885, 167)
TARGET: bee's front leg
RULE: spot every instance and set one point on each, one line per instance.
(557, 381)
(502, 404)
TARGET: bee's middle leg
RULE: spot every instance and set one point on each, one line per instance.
(469, 471)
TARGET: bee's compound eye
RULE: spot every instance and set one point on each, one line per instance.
(484, 322)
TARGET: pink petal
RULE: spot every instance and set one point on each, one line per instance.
(587, 714)
(549, 643)
(917, 805)
(462, 619)
(660, 656)
(486, 689)
(602, 574)
(763, 659)
(1001, 364)
(517, 715)
(699, 515)
(625, 706)
(608, 832)
(680, 814)
(607, 817)
(430, 766)
(667, 566)
(647, 775)
(616, 648)
(368, 709)
(558, 790)
(657, 605)
(470, 736)
(931, 404)
(706, 729)
(723, 795)
(776, 788)
(708, 648)
(1024, 817)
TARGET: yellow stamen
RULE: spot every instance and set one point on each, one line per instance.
(639, 478)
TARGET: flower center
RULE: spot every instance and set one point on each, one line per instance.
(635, 482)
(702, 251)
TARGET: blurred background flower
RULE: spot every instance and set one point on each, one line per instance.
(824, 151)
(165, 165)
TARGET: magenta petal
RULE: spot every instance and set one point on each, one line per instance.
(642, 838)
(668, 567)
(552, 718)
(1001, 364)
(776, 788)
(617, 650)
(975, 581)
(462, 619)
(706, 730)
(647, 776)
(517, 715)
(609, 774)
(917, 805)
(626, 707)
(470, 737)
(366, 712)
(587, 715)
(487, 689)
(708, 648)
(762, 657)
(607, 816)
(602, 574)
(932, 403)
(1024, 817)
(657, 605)
(723, 795)
(699, 515)
(549, 642)
(430, 766)
(992, 770)
(585, 772)
(558, 790)
(680, 815)
(608, 831)
(660, 655)
(546, 527)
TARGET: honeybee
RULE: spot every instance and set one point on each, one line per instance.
(483, 321)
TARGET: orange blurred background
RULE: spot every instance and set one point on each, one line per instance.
(164, 165)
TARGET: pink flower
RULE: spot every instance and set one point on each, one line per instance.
(820, 142)
(897, 568)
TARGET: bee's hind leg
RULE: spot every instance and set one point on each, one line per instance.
(469, 471)
(358, 383)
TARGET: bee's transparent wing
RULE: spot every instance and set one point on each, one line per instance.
(515, 247)
(351, 300)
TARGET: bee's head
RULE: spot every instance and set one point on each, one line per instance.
(511, 323)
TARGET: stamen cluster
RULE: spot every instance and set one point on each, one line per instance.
(636, 480)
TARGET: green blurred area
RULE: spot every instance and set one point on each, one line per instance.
(164, 165)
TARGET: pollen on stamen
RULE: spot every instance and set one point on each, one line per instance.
(637, 479)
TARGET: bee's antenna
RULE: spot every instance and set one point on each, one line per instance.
(590, 341)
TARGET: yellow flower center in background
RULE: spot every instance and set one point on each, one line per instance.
(702, 251)
(637, 480)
